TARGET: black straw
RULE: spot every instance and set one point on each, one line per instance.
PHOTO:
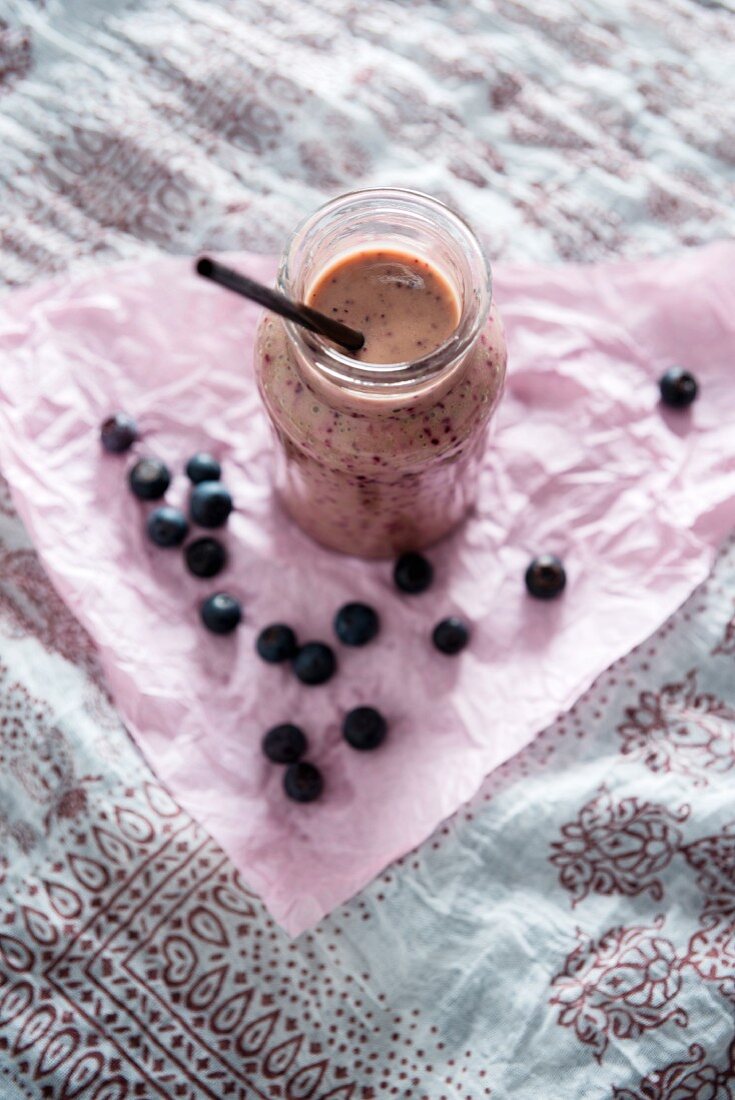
(278, 303)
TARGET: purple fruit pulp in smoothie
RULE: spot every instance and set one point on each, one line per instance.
(376, 473)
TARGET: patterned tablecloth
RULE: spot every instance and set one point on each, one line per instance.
(571, 933)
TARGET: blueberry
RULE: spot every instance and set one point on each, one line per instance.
(450, 635)
(314, 663)
(356, 624)
(205, 557)
(167, 526)
(221, 613)
(303, 782)
(364, 728)
(118, 433)
(276, 643)
(678, 388)
(210, 504)
(149, 479)
(284, 744)
(546, 577)
(413, 573)
(203, 467)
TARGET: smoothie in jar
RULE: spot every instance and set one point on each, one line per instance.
(378, 451)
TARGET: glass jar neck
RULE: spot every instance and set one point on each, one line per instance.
(407, 222)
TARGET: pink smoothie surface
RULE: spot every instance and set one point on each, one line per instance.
(584, 462)
(402, 304)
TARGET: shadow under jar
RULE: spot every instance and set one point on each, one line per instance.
(374, 458)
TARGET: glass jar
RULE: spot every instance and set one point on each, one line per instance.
(375, 459)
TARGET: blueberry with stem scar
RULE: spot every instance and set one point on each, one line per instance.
(277, 643)
(546, 577)
(118, 433)
(149, 479)
(678, 388)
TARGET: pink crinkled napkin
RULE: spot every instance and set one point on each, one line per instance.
(583, 461)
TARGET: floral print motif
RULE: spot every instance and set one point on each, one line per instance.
(690, 1078)
(37, 754)
(682, 730)
(711, 950)
(619, 986)
(618, 847)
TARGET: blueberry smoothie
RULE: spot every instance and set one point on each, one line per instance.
(379, 450)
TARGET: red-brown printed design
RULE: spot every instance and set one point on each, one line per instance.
(618, 847)
(211, 93)
(230, 109)
(328, 167)
(34, 609)
(145, 930)
(711, 950)
(726, 645)
(619, 986)
(260, 112)
(16, 55)
(35, 752)
(6, 503)
(121, 184)
(681, 730)
(690, 1078)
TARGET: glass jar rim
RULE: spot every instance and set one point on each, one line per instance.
(338, 364)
